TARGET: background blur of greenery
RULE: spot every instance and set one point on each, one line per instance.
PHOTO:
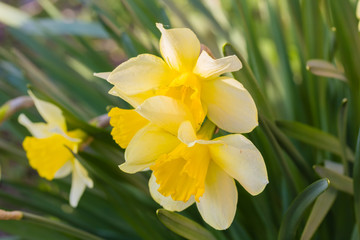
(306, 131)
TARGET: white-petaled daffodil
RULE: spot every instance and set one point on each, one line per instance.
(48, 150)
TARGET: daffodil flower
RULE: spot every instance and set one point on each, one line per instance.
(48, 150)
(188, 75)
(189, 167)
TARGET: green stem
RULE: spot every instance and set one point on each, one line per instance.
(60, 227)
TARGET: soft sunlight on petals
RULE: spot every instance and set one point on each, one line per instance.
(146, 146)
(207, 67)
(230, 105)
(167, 202)
(241, 160)
(166, 112)
(179, 47)
(140, 74)
(218, 204)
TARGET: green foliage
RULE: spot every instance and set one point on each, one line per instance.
(303, 123)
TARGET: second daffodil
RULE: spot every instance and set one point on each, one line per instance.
(188, 166)
(48, 150)
(190, 76)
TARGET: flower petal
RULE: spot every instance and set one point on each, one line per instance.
(229, 104)
(134, 100)
(64, 170)
(38, 130)
(241, 160)
(126, 123)
(48, 155)
(165, 112)
(186, 134)
(179, 47)
(140, 74)
(80, 180)
(218, 204)
(207, 67)
(50, 112)
(146, 146)
(167, 202)
(103, 75)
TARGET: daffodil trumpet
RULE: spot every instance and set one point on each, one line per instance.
(190, 76)
(50, 148)
(187, 165)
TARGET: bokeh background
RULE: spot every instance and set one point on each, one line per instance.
(306, 131)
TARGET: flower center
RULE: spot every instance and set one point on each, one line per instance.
(187, 88)
(182, 172)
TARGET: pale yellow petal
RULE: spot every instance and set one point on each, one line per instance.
(229, 104)
(103, 75)
(79, 182)
(186, 133)
(218, 204)
(165, 112)
(140, 74)
(126, 123)
(134, 100)
(167, 202)
(50, 112)
(179, 47)
(208, 68)
(65, 170)
(146, 146)
(48, 155)
(38, 130)
(241, 160)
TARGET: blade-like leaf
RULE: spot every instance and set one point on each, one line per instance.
(183, 226)
(314, 137)
(356, 175)
(338, 181)
(297, 208)
(320, 209)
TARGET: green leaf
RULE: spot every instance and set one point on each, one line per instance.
(297, 208)
(338, 181)
(321, 207)
(46, 27)
(183, 226)
(342, 121)
(356, 174)
(314, 137)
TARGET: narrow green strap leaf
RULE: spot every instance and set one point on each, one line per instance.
(61, 227)
(315, 137)
(338, 181)
(297, 208)
(183, 226)
(356, 175)
(290, 149)
(320, 209)
(247, 78)
(342, 117)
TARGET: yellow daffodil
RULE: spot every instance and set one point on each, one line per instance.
(189, 167)
(188, 75)
(48, 150)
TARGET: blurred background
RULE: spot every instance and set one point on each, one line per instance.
(55, 46)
